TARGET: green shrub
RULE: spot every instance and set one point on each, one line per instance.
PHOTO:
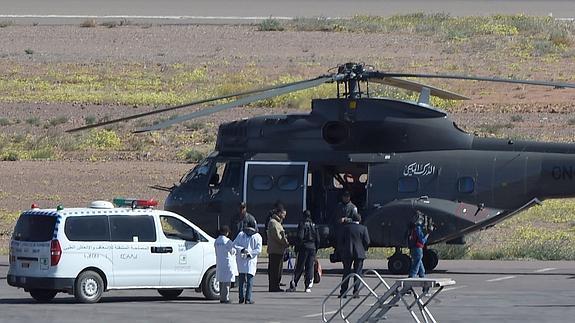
(34, 121)
(11, 156)
(193, 156)
(44, 153)
(315, 24)
(90, 120)
(29, 51)
(88, 23)
(56, 121)
(270, 24)
(543, 47)
(6, 23)
(447, 251)
(102, 139)
(495, 128)
(195, 125)
(559, 37)
(110, 24)
(516, 118)
(4, 122)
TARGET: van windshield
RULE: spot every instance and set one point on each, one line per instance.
(34, 228)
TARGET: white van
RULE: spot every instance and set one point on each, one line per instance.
(86, 251)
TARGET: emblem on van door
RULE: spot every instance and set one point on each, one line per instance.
(183, 259)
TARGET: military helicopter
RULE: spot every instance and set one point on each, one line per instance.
(394, 156)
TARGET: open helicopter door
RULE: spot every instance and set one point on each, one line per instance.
(266, 182)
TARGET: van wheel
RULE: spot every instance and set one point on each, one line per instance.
(170, 293)
(89, 287)
(210, 286)
(43, 295)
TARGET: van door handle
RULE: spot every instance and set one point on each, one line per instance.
(161, 249)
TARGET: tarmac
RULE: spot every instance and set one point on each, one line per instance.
(497, 291)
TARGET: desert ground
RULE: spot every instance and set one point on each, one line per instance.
(57, 77)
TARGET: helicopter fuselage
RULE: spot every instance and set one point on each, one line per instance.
(394, 157)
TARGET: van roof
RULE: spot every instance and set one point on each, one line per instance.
(89, 211)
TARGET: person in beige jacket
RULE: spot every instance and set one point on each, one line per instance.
(277, 244)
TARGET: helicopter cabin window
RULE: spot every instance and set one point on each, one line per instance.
(466, 184)
(288, 183)
(262, 182)
(407, 184)
(232, 175)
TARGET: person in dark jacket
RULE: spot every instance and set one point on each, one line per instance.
(353, 242)
(344, 212)
(242, 220)
(307, 245)
(345, 209)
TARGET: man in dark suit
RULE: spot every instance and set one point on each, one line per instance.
(352, 242)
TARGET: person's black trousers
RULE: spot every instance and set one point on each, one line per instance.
(347, 269)
(305, 261)
(275, 268)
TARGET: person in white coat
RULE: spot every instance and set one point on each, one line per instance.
(226, 268)
(248, 245)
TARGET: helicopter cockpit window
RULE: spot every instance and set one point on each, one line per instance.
(407, 184)
(466, 185)
(262, 182)
(288, 183)
(218, 174)
(198, 172)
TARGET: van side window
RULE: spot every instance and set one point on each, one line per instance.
(176, 229)
(128, 228)
(87, 228)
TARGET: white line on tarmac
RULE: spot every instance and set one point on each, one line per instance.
(500, 278)
(453, 288)
(148, 17)
(319, 314)
(544, 270)
(178, 17)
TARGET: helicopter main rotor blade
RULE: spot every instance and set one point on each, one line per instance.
(376, 74)
(144, 114)
(417, 87)
(277, 91)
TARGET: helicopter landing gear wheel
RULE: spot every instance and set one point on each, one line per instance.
(399, 263)
(430, 259)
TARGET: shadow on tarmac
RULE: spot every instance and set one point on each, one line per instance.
(114, 299)
(385, 272)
